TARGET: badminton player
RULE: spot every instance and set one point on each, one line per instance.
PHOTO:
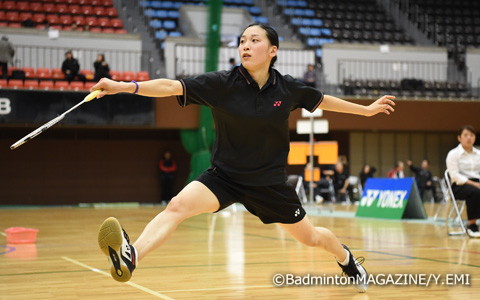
(251, 104)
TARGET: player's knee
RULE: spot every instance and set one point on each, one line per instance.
(178, 205)
(310, 242)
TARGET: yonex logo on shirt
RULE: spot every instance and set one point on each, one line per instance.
(277, 103)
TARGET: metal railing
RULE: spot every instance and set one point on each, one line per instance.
(391, 70)
(52, 57)
(190, 60)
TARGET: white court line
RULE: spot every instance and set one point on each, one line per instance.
(146, 290)
(3, 233)
(241, 287)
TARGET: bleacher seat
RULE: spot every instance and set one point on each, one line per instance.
(23, 6)
(115, 75)
(66, 20)
(99, 11)
(51, 19)
(38, 6)
(29, 72)
(9, 5)
(91, 21)
(87, 73)
(103, 22)
(43, 73)
(174, 33)
(46, 85)
(155, 24)
(127, 76)
(62, 85)
(15, 83)
(87, 10)
(79, 20)
(111, 12)
(12, 16)
(77, 85)
(142, 76)
(57, 74)
(3, 83)
(117, 23)
(74, 9)
(169, 25)
(25, 15)
(88, 85)
(61, 8)
(161, 34)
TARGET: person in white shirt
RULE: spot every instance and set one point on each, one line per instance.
(463, 165)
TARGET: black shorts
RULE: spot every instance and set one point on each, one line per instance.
(272, 204)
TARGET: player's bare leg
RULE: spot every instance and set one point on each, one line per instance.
(193, 200)
(323, 238)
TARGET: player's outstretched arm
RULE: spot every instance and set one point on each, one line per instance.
(150, 88)
(381, 105)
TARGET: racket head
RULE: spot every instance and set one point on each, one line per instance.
(36, 132)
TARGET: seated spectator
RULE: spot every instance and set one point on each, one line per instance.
(397, 171)
(71, 68)
(101, 68)
(367, 172)
(6, 55)
(463, 165)
(28, 23)
(310, 77)
(423, 177)
(340, 182)
(338, 176)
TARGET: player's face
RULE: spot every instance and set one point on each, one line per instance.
(255, 49)
(467, 139)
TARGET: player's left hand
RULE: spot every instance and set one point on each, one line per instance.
(382, 105)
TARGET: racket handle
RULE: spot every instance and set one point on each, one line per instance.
(92, 95)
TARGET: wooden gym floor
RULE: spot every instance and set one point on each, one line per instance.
(232, 255)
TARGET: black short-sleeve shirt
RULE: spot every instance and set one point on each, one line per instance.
(252, 142)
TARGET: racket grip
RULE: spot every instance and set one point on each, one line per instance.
(92, 95)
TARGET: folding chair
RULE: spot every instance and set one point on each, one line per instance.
(454, 215)
(445, 197)
(297, 182)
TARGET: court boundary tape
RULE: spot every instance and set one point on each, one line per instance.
(137, 286)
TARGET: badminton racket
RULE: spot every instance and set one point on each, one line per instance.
(54, 121)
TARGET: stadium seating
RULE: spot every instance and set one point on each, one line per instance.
(448, 23)
(406, 88)
(162, 16)
(328, 21)
(53, 79)
(61, 14)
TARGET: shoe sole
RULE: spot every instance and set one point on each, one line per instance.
(110, 237)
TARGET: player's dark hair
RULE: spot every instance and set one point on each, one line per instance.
(272, 36)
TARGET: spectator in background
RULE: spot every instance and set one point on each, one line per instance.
(463, 165)
(71, 68)
(367, 172)
(340, 182)
(423, 176)
(101, 68)
(6, 55)
(339, 177)
(310, 77)
(28, 22)
(168, 168)
(397, 171)
(232, 63)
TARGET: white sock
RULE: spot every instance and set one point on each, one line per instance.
(347, 259)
